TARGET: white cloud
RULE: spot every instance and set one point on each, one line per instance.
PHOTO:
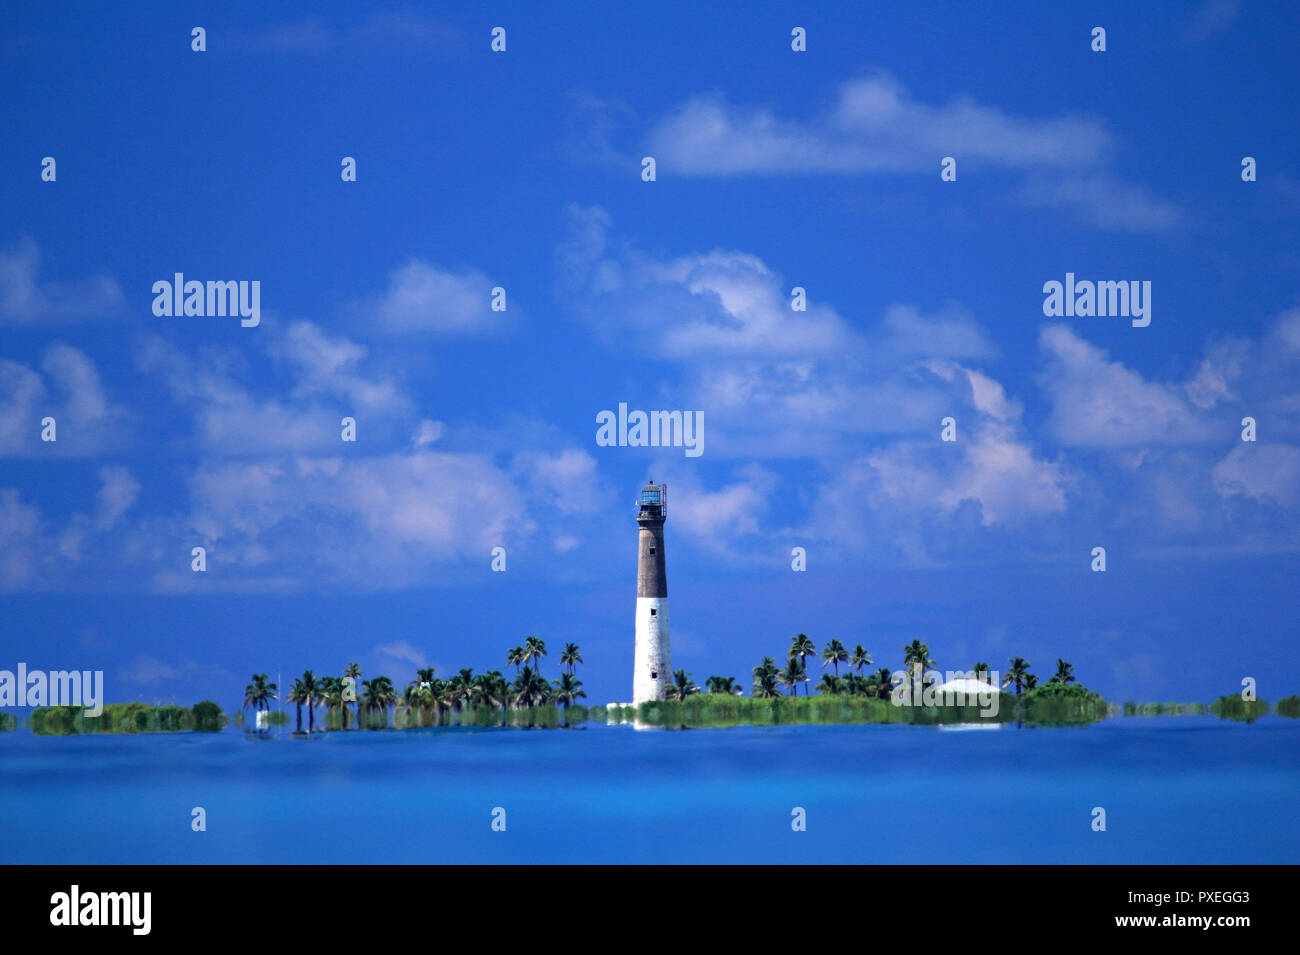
(874, 125)
(422, 299)
(20, 541)
(718, 517)
(1100, 402)
(771, 381)
(400, 651)
(69, 391)
(302, 415)
(328, 366)
(381, 522)
(25, 300)
(427, 433)
(1218, 371)
(568, 479)
(118, 491)
(1260, 472)
(1105, 201)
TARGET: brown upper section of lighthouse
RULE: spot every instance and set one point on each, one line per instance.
(651, 577)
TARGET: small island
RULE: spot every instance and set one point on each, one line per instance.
(916, 694)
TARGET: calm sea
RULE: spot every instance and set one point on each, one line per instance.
(1176, 790)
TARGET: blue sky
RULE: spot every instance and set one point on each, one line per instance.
(476, 428)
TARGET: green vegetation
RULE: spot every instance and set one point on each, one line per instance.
(546, 716)
(8, 722)
(1289, 706)
(705, 710)
(207, 717)
(1061, 702)
(1054, 704)
(1235, 708)
(1166, 709)
(465, 699)
(121, 718)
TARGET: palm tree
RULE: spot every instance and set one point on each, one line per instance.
(722, 684)
(259, 693)
(534, 650)
(310, 696)
(802, 647)
(297, 695)
(836, 654)
(765, 680)
(353, 671)
(567, 689)
(917, 656)
(883, 682)
(415, 699)
(792, 675)
(380, 694)
(860, 658)
(681, 687)
(571, 656)
(459, 688)
(979, 670)
(1064, 672)
(331, 695)
(529, 688)
(439, 698)
(1031, 681)
(830, 683)
(1016, 673)
(515, 656)
(424, 675)
(493, 690)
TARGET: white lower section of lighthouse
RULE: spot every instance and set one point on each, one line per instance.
(651, 674)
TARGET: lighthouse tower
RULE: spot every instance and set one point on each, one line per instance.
(652, 673)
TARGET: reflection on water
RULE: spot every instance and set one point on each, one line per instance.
(1176, 789)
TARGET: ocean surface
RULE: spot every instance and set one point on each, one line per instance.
(1175, 790)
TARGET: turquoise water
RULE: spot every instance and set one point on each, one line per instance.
(1175, 790)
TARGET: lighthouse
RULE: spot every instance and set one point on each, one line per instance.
(651, 674)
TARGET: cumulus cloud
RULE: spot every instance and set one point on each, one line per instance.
(874, 125)
(1260, 472)
(1099, 402)
(379, 522)
(423, 299)
(771, 380)
(428, 432)
(67, 389)
(25, 300)
(718, 517)
(568, 478)
(20, 541)
(328, 379)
